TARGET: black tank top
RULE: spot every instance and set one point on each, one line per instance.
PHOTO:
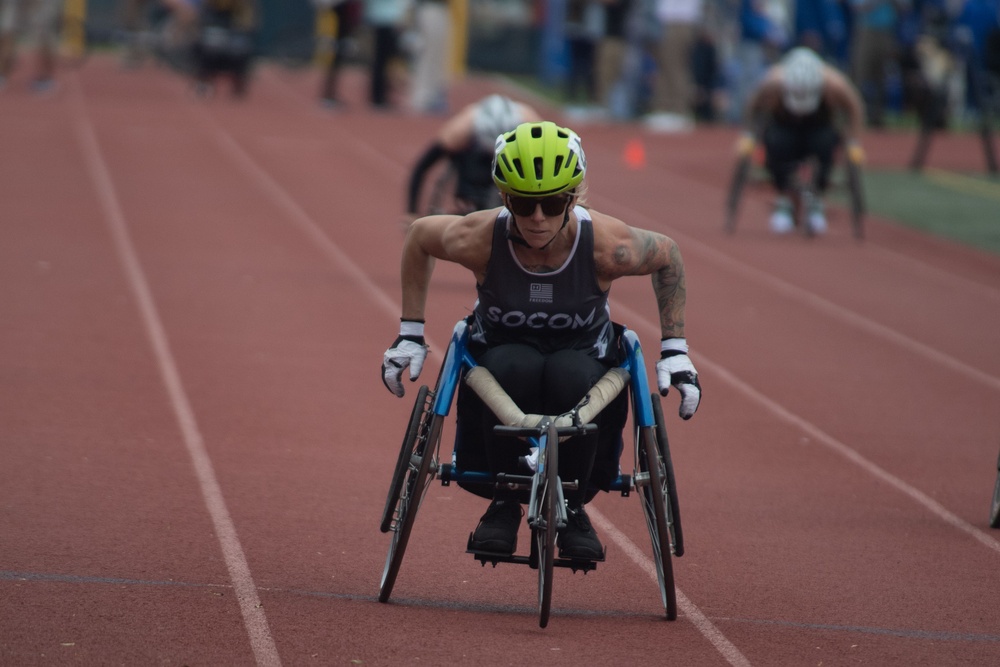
(562, 309)
(821, 117)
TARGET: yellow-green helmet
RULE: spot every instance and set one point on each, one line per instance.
(538, 159)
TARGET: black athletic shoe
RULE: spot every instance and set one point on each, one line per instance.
(578, 539)
(497, 530)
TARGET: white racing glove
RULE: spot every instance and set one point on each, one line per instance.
(675, 369)
(408, 350)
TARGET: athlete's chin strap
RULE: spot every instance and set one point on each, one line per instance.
(520, 239)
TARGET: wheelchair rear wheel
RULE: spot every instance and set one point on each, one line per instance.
(442, 196)
(857, 195)
(741, 173)
(674, 507)
(403, 462)
(543, 518)
(656, 504)
(414, 469)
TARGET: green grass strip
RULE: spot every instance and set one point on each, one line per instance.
(961, 207)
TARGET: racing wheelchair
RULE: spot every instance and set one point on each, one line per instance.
(444, 196)
(800, 190)
(652, 479)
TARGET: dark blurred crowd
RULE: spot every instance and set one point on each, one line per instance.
(672, 63)
(698, 60)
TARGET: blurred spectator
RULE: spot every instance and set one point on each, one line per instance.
(811, 25)
(39, 20)
(991, 52)
(760, 43)
(927, 64)
(345, 15)
(429, 86)
(977, 36)
(183, 12)
(584, 27)
(386, 18)
(176, 25)
(673, 90)
(224, 45)
(839, 22)
(611, 49)
(135, 25)
(874, 52)
(705, 76)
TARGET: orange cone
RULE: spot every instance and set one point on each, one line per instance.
(635, 154)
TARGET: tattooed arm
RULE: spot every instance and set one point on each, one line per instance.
(671, 291)
(621, 250)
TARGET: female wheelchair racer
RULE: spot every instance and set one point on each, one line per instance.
(544, 265)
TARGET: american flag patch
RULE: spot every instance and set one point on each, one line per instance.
(540, 293)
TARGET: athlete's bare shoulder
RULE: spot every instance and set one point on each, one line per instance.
(468, 239)
(623, 250)
(609, 231)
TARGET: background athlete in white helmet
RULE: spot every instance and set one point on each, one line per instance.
(467, 140)
(803, 108)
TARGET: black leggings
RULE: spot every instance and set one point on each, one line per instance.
(786, 147)
(545, 384)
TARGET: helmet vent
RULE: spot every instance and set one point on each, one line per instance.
(558, 165)
(516, 166)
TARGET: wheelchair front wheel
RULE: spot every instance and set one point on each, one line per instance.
(543, 516)
(416, 466)
(656, 507)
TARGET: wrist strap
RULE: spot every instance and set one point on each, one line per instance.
(674, 345)
(411, 328)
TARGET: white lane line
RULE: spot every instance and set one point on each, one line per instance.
(854, 457)
(285, 202)
(334, 253)
(729, 651)
(919, 266)
(824, 438)
(375, 157)
(817, 302)
(254, 619)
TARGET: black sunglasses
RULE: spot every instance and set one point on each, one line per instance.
(525, 206)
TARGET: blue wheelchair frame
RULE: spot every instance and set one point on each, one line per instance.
(653, 478)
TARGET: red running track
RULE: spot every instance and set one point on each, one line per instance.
(196, 443)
